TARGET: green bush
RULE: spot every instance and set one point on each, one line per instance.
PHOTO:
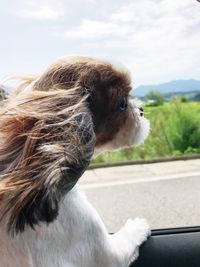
(2, 94)
(175, 130)
(154, 98)
(183, 128)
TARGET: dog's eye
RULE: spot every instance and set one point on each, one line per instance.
(123, 105)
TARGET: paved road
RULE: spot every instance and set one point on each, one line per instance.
(167, 194)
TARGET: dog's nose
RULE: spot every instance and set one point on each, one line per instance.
(141, 111)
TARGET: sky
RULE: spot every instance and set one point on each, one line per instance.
(158, 40)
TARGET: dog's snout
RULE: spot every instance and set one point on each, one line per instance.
(141, 111)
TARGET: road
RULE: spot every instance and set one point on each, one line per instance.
(166, 194)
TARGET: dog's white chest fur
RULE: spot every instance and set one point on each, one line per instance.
(77, 238)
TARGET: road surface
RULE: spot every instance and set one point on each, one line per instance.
(166, 194)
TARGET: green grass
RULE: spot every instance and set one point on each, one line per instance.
(175, 130)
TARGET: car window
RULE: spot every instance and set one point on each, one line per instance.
(158, 41)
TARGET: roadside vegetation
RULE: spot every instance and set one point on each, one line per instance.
(175, 131)
(2, 94)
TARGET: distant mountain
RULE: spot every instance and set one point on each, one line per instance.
(182, 87)
(169, 87)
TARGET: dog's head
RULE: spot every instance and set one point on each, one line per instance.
(51, 126)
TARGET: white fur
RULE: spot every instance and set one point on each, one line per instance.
(77, 238)
(142, 131)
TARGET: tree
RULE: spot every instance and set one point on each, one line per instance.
(2, 94)
(177, 99)
(155, 98)
(196, 97)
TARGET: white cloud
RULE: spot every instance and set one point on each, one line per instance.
(41, 10)
(159, 39)
(90, 29)
(44, 13)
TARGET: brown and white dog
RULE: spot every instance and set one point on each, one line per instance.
(50, 127)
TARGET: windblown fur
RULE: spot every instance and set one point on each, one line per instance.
(49, 129)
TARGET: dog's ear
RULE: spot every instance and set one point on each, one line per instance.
(41, 160)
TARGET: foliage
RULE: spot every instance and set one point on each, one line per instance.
(197, 97)
(183, 128)
(156, 98)
(175, 131)
(181, 98)
(2, 94)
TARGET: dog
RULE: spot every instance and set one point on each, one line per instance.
(50, 128)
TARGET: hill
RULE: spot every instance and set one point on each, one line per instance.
(178, 86)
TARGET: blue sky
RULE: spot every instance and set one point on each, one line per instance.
(158, 40)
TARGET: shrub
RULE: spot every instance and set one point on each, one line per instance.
(154, 98)
(183, 128)
(2, 94)
(175, 130)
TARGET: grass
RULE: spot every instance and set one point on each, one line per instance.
(175, 130)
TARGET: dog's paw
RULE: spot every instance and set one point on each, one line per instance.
(138, 230)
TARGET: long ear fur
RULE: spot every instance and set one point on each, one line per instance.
(47, 141)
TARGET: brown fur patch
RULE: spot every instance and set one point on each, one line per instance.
(48, 135)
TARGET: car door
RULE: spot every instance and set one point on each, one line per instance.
(176, 247)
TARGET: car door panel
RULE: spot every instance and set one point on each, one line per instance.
(178, 247)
